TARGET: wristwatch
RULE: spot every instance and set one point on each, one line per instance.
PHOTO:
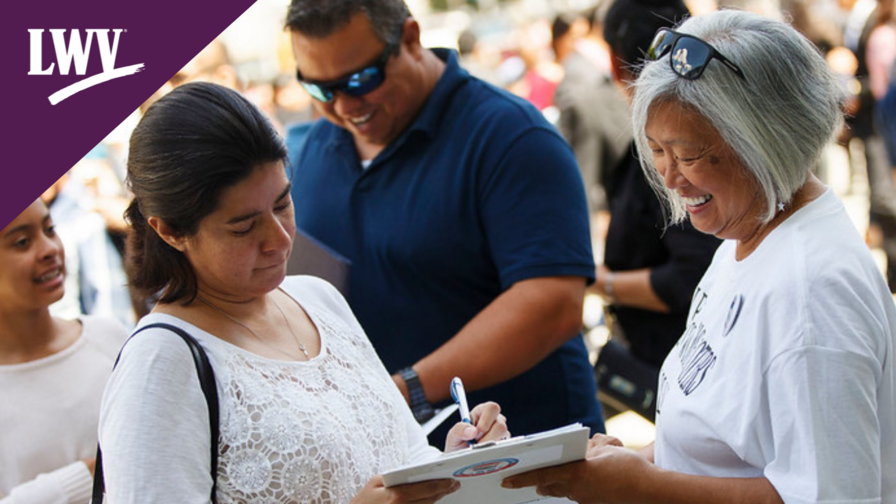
(420, 407)
(608, 285)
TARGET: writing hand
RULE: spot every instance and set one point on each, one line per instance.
(488, 424)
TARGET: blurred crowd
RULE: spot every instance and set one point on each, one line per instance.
(555, 58)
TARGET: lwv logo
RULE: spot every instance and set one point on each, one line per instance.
(77, 52)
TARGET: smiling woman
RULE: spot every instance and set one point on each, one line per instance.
(52, 371)
(698, 166)
(783, 386)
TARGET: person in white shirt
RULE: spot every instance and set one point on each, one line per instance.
(308, 413)
(782, 387)
(52, 370)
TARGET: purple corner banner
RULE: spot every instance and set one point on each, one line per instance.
(154, 40)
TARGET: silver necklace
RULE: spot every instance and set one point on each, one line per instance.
(257, 337)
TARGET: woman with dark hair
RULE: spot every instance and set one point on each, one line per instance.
(308, 413)
(783, 386)
(52, 370)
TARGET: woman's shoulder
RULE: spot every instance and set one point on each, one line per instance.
(308, 289)
(160, 348)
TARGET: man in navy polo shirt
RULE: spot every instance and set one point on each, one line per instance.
(460, 208)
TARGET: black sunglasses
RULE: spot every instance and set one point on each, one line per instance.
(358, 83)
(689, 54)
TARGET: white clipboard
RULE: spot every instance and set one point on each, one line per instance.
(481, 468)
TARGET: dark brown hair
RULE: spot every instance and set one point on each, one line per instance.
(189, 147)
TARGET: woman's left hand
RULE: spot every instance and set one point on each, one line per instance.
(488, 425)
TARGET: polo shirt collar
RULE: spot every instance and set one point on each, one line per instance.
(434, 108)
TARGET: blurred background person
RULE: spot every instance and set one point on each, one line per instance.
(542, 73)
(593, 114)
(650, 267)
(873, 57)
(52, 370)
(477, 59)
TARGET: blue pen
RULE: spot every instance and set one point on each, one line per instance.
(460, 397)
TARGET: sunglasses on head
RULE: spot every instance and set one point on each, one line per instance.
(358, 83)
(689, 55)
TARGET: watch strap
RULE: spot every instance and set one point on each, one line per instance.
(420, 407)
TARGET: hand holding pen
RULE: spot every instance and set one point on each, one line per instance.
(484, 423)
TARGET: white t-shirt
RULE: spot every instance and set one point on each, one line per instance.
(49, 411)
(785, 369)
(309, 431)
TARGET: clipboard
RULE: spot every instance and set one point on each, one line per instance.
(311, 257)
(481, 468)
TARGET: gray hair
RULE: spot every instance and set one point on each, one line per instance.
(777, 120)
(320, 18)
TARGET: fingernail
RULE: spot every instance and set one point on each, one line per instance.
(471, 432)
(455, 485)
(508, 484)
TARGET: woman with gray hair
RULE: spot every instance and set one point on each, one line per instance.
(782, 388)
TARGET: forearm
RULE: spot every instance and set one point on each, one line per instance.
(670, 487)
(630, 288)
(517, 330)
(68, 484)
(647, 452)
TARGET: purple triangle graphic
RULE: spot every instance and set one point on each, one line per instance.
(42, 140)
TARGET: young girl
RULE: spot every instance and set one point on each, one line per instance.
(308, 412)
(52, 371)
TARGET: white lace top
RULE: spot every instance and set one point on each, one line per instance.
(313, 431)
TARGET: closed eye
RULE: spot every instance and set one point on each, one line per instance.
(687, 159)
(244, 232)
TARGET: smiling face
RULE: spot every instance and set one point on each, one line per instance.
(32, 261)
(241, 249)
(721, 196)
(378, 117)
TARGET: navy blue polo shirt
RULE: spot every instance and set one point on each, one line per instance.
(480, 192)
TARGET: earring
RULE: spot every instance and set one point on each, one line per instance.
(780, 206)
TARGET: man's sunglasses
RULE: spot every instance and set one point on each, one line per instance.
(358, 83)
(689, 54)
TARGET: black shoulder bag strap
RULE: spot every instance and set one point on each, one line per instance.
(209, 389)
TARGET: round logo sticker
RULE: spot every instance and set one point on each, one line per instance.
(483, 468)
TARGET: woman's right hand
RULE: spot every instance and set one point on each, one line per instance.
(425, 492)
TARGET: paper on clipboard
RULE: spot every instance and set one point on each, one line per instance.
(437, 419)
(481, 469)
